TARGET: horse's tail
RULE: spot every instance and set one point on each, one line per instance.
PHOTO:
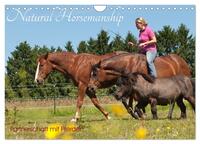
(193, 85)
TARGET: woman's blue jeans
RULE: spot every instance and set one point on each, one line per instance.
(151, 55)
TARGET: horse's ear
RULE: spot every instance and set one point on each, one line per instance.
(133, 77)
(46, 55)
(97, 65)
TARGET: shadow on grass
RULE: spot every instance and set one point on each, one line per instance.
(150, 119)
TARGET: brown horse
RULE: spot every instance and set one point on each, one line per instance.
(108, 70)
(77, 67)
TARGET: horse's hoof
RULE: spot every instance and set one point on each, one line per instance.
(108, 117)
(74, 120)
(135, 115)
(144, 116)
(183, 117)
(155, 118)
(169, 117)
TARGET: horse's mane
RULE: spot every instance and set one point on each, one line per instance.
(113, 58)
(45, 56)
(119, 54)
(116, 58)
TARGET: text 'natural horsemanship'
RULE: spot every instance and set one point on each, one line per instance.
(62, 15)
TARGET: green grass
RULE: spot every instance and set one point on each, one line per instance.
(94, 126)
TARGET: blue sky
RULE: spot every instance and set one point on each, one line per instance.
(55, 25)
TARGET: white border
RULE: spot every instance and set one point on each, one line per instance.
(92, 2)
(2, 71)
(101, 2)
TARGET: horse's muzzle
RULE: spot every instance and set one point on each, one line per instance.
(92, 88)
(118, 95)
(39, 81)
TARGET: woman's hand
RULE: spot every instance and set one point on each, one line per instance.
(131, 43)
(141, 45)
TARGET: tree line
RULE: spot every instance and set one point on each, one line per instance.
(21, 65)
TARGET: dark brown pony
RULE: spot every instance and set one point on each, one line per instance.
(77, 67)
(158, 91)
(108, 70)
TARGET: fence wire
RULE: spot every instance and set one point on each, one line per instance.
(46, 91)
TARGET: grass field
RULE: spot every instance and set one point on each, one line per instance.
(42, 123)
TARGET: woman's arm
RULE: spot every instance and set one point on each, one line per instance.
(152, 41)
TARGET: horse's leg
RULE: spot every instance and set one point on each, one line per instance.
(95, 101)
(143, 109)
(130, 105)
(81, 94)
(130, 111)
(138, 106)
(130, 102)
(171, 108)
(153, 103)
(141, 106)
(191, 100)
(137, 109)
(182, 107)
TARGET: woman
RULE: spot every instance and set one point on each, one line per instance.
(147, 44)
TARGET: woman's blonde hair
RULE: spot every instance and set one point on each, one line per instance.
(141, 20)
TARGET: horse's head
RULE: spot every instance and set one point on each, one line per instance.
(124, 85)
(101, 77)
(94, 81)
(44, 67)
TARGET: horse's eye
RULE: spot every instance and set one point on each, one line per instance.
(118, 84)
(94, 74)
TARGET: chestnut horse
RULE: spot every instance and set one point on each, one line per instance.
(77, 67)
(110, 69)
